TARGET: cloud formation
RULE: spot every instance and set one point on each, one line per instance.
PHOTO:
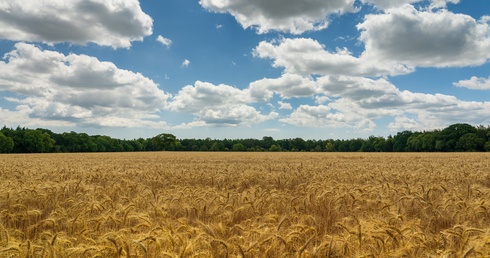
(287, 86)
(474, 83)
(386, 4)
(284, 105)
(114, 23)
(396, 42)
(78, 88)
(166, 42)
(416, 38)
(307, 56)
(356, 102)
(217, 105)
(185, 63)
(292, 16)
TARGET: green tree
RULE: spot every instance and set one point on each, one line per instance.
(137, 145)
(400, 141)
(379, 144)
(368, 145)
(329, 146)
(388, 144)
(274, 148)
(266, 142)
(164, 141)
(217, 146)
(36, 141)
(470, 142)
(298, 144)
(429, 141)
(6, 144)
(342, 145)
(414, 142)
(487, 146)
(451, 134)
(239, 147)
(355, 145)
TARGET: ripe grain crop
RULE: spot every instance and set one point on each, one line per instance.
(245, 205)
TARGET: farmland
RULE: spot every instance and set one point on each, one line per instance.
(170, 204)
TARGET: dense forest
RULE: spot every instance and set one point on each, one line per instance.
(457, 137)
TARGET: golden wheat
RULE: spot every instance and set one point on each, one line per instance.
(245, 205)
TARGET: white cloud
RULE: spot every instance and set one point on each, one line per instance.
(358, 102)
(166, 42)
(396, 42)
(356, 88)
(386, 4)
(306, 56)
(78, 89)
(284, 105)
(185, 63)
(220, 105)
(20, 116)
(322, 116)
(292, 16)
(194, 98)
(112, 23)
(322, 99)
(474, 83)
(403, 123)
(415, 38)
(442, 3)
(287, 86)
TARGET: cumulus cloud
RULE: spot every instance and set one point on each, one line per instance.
(292, 16)
(79, 89)
(386, 4)
(217, 105)
(322, 116)
(166, 42)
(396, 42)
(403, 123)
(474, 83)
(112, 23)
(307, 56)
(357, 103)
(442, 3)
(322, 99)
(416, 38)
(185, 63)
(20, 116)
(356, 88)
(287, 86)
(284, 105)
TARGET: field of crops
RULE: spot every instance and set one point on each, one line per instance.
(245, 205)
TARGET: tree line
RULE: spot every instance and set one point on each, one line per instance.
(456, 137)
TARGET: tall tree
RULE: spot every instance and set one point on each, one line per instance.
(400, 141)
(164, 141)
(470, 142)
(6, 144)
(451, 134)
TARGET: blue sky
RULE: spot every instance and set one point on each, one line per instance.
(246, 68)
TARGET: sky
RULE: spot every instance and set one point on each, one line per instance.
(315, 69)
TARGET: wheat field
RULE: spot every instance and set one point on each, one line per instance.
(245, 205)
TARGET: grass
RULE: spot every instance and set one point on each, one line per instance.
(245, 205)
